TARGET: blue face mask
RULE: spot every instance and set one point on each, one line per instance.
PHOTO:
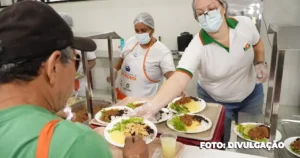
(211, 21)
(143, 38)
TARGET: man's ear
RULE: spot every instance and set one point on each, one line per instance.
(51, 66)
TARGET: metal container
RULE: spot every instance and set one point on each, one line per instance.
(81, 105)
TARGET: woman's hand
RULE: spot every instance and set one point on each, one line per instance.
(261, 72)
(108, 79)
(144, 111)
(135, 147)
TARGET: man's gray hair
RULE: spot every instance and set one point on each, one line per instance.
(66, 55)
(223, 3)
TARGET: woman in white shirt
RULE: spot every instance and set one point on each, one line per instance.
(91, 57)
(229, 55)
(143, 61)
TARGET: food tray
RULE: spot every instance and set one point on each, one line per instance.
(212, 111)
(71, 101)
(118, 152)
(99, 103)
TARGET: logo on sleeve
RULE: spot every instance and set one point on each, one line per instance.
(247, 46)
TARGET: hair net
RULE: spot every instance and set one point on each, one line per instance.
(145, 18)
(223, 3)
(68, 19)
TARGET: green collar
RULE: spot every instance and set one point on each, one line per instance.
(206, 39)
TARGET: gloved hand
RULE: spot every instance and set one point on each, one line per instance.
(108, 79)
(262, 73)
(144, 111)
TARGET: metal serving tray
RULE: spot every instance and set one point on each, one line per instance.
(97, 102)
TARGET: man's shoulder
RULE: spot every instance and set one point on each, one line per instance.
(78, 139)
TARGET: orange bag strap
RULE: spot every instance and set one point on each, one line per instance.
(44, 140)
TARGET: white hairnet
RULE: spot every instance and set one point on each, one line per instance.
(68, 19)
(145, 18)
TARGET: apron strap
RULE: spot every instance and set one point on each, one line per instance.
(125, 55)
(44, 140)
(120, 94)
(144, 62)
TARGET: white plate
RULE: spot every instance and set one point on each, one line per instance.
(137, 102)
(203, 126)
(201, 103)
(288, 142)
(112, 124)
(166, 115)
(99, 114)
(278, 134)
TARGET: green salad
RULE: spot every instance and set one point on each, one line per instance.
(244, 129)
(178, 124)
(179, 108)
(120, 126)
(131, 105)
(296, 151)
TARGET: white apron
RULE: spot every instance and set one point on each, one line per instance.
(134, 80)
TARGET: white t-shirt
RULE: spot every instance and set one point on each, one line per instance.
(159, 61)
(226, 74)
(90, 56)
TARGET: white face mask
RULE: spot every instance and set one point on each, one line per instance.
(143, 38)
(212, 21)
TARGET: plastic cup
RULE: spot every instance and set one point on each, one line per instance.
(168, 143)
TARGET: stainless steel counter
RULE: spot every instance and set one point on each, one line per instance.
(287, 130)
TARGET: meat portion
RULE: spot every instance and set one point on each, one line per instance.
(183, 101)
(82, 115)
(106, 115)
(296, 144)
(259, 132)
(187, 119)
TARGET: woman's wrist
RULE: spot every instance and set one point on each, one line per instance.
(260, 62)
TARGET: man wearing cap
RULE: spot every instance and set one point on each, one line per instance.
(38, 64)
(91, 57)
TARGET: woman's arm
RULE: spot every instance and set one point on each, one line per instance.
(169, 74)
(259, 52)
(118, 65)
(178, 81)
(169, 90)
(91, 64)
